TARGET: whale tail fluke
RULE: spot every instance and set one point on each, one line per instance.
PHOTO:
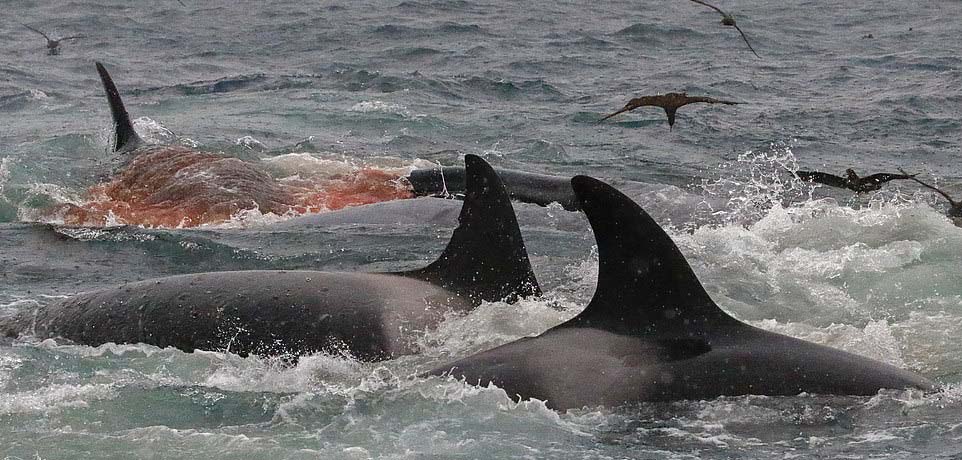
(645, 285)
(485, 259)
(126, 138)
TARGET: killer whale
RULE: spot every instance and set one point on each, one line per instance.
(125, 137)
(652, 333)
(540, 189)
(373, 316)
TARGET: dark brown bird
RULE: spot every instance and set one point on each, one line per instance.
(955, 207)
(53, 46)
(851, 180)
(729, 20)
(670, 102)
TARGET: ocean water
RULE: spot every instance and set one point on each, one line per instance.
(316, 91)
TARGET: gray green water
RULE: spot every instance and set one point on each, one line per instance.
(289, 84)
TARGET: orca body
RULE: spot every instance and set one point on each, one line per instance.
(373, 316)
(540, 189)
(652, 333)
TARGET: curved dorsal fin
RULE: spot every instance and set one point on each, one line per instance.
(126, 138)
(645, 285)
(485, 258)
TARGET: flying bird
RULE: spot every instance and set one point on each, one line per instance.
(53, 46)
(729, 20)
(670, 102)
(851, 180)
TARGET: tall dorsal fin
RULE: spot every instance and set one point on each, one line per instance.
(485, 258)
(126, 138)
(645, 285)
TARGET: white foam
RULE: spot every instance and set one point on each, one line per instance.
(309, 165)
(494, 323)
(54, 398)
(875, 340)
(322, 165)
(250, 143)
(247, 218)
(380, 106)
(38, 95)
(5, 164)
(152, 131)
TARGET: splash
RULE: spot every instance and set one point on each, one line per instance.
(753, 184)
(178, 187)
(250, 143)
(4, 173)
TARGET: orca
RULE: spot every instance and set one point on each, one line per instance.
(652, 333)
(126, 138)
(373, 316)
(540, 189)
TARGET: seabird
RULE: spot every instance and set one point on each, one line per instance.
(729, 20)
(53, 46)
(851, 180)
(670, 102)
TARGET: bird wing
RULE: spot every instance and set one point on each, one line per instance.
(72, 37)
(932, 187)
(631, 105)
(739, 29)
(711, 6)
(823, 178)
(708, 100)
(882, 178)
(616, 113)
(37, 31)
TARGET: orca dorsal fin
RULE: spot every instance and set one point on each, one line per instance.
(645, 285)
(125, 138)
(485, 258)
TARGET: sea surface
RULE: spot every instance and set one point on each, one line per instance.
(320, 89)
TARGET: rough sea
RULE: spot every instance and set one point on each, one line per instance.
(316, 90)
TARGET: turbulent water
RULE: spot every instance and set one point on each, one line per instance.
(313, 92)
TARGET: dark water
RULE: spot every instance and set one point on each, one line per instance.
(319, 88)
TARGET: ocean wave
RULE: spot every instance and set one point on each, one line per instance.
(657, 33)
(21, 100)
(396, 31)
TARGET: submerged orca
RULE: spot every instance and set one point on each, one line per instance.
(652, 333)
(371, 315)
(540, 189)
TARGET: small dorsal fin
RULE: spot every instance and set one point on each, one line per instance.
(126, 138)
(645, 285)
(485, 258)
